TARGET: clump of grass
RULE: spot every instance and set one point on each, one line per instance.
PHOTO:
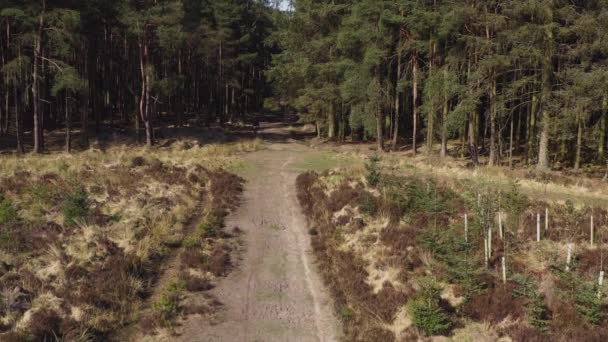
(42, 193)
(75, 207)
(425, 309)
(196, 284)
(218, 262)
(373, 170)
(368, 204)
(346, 314)
(191, 240)
(8, 213)
(45, 325)
(211, 227)
(168, 303)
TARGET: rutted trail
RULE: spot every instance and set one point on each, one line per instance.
(275, 292)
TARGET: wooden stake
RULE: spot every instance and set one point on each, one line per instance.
(600, 282)
(504, 270)
(537, 227)
(546, 218)
(485, 247)
(466, 228)
(569, 257)
(500, 226)
(490, 242)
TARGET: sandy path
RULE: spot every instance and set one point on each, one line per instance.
(275, 292)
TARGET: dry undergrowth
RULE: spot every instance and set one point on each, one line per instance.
(82, 237)
(395, 258)
(554, 186)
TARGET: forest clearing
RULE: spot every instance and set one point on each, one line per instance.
(303, 170)
(181, 251)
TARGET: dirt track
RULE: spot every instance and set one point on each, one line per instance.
(275, 292)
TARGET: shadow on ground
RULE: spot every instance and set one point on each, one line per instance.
(274, 128)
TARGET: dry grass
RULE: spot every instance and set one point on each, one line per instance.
(373, 244)
(548, 186)
(88, 279)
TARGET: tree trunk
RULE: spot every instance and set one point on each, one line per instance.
(511, 141)
(180, 96)
(430, 118)
(493, 111)
(472, 138)
(603, 122)
(342, 124)
(444, 117)
(543, 148)
(6, 107)
(379, 128)
(144, 101)
(606, 158)
(397, 96)
(579, 141)
(331, 122)
(519, 129)
(68, 127)
(531, 131)
(414, 101)
(18, 120)
(5, 56)
(38, 139)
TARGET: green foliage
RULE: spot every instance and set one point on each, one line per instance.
(13, 13)
(211, 227)
(417, 195)
(168, 303)
(539, 314)
(75, 206)
(43, 194)
(359, 119)
(192, 240)
(373, 170)
(368, 204)
(486, 197)
(427, 315)
(171, 39)
(67, 80)
(115, 218)
(63, 36)
(8, 213)
(7, 239)
(457, 256)
(587, 296)
(16, 69)
(346, 314)
(589, 301)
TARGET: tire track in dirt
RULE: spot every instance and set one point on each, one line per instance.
(275, 292)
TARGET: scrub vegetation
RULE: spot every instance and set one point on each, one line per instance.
(394, 250)
(84, 237)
